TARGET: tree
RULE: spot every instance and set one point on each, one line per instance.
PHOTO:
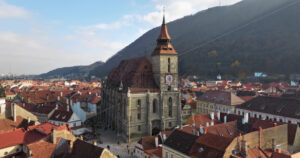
(2, 92)
(236, 63)
(213, 53)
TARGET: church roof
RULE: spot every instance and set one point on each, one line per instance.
(135, 73)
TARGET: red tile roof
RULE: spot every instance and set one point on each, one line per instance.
(42, 149)
(12, 138)
(45, 128)
(135, 73)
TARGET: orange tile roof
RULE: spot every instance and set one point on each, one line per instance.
(44, 128)
(12, 138)
(42, 149)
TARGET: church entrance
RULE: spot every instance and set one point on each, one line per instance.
(156, 127)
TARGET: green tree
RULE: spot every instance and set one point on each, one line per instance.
(213, 53)
(2, 92)
(236, 63)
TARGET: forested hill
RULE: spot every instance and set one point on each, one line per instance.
(237, 40)
(252, 35)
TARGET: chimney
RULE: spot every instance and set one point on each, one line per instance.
(212, 115)
(273, 145)
(15, 112)
(246, 117)
(225, 119)
(244, 148)
(218, 115)
(164, 137)
(71, 146)
(278, 150)
(201, 129)
(28, 119)
(156, 142)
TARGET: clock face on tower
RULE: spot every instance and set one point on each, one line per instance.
(169, 79)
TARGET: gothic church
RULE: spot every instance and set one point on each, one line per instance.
(141, 98)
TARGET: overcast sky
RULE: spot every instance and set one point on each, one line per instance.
(37, 36)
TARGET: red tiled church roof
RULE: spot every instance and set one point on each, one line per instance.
(135, 73)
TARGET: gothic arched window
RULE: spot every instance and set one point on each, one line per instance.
(139, 109)
(170, 104)
(154, 105)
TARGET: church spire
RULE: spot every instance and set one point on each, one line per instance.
(164, 20)
(164, 34)
(164, 45)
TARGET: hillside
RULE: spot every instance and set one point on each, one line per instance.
(253, 35)
(72, 72)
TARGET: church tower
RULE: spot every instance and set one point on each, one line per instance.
(165, 72)
(165, 61)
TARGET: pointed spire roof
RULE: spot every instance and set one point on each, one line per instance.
(164, 34)
(164, 45)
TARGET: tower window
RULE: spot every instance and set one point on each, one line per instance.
(169, 88)
(169, 65)
(154, 106)
(139, 109)
(170, 106)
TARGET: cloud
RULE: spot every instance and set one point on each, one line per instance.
(31, 55)
(125, 21)
(178, 8)
(8, 11)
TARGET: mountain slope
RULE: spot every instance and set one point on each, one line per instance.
(269, 44)
(72, 72)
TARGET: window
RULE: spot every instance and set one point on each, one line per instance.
(172, 156)
(6, 153)
(154, 105)
(169, 88)
(166, 154)
(139, 109)
(170, 104)
(139, 128)
(169, 65)
(170, 124)
(124, 110)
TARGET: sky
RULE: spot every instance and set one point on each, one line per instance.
(37, 36)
